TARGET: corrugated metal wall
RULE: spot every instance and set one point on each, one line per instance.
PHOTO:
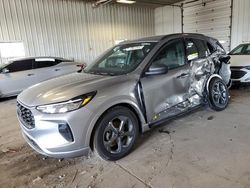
(71, 28)
(240, 22)
(168, 20)
(212, 19)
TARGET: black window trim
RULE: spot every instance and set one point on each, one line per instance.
(56, 62)
(159, 50)
(16, 61)
(214, 48)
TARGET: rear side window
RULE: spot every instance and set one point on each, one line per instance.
(202, 48)
(42, 63)
(21, 65)
(196, 48)
(192, 50)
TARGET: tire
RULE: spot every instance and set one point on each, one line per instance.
(218, 94)
(116, 133)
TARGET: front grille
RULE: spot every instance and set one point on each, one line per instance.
(237, 74)
(26, 116)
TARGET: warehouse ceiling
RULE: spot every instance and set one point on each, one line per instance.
(151, 3)
(157, 3)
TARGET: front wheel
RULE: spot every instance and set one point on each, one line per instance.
(218, 94)
(116, 133)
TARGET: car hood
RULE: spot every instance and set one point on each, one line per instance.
(240, 60)
(64, 88)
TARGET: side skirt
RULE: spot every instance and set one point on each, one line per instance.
(182, 114)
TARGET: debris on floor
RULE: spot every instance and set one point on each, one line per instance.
(44, 158)
(8, 150)
(37, 179)
(74, 177)
(210, 118)
(61, 176)
(164, 131)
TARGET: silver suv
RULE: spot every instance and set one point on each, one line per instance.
(133, 87)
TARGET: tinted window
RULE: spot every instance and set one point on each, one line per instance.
(202, 48)
(196, 48)
(192, 50)
(172, 55)
(40, 63)
(20, 65)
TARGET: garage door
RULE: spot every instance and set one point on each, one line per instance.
(212, 18)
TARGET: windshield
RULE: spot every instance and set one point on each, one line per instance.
(243, 49)
(122, 59)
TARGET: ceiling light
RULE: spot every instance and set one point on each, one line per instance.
(126, 1)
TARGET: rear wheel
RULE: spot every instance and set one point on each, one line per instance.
(116, 133)
(218, 94)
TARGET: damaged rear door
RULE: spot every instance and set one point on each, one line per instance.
(164, 92)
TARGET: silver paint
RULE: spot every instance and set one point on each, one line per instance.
(153, 98)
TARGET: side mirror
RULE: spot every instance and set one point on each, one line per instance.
(156, 70)
(5, 71)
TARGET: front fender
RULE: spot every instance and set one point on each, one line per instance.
(109, 104)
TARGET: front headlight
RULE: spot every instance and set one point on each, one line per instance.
(67, 106)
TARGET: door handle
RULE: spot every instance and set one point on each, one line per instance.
(57, 69)
(31, 74)
(183, 75)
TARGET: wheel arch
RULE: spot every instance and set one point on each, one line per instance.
(133, 108)
(210, 79)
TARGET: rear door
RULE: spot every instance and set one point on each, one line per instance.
(45, 68)
(162, 93)
(48, 68)
(20, 76)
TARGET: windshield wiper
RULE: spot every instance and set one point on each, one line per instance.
(101, 73)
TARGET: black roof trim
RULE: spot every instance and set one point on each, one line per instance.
(162, 37)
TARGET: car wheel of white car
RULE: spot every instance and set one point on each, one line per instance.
(218, 94)
(116, 133)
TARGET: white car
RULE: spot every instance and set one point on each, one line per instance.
(19, 74)
(240, 64)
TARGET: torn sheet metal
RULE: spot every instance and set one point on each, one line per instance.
(202, 69)
(200, 72)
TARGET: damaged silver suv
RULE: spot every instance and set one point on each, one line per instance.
(133, 87)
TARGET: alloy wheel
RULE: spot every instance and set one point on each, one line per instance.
(118, 134)
(219, 94)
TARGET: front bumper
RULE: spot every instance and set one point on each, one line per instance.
(46, 138)
(240, 75)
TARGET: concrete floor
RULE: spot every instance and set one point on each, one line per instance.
(203, 149)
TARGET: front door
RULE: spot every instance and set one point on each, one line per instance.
(163, 93)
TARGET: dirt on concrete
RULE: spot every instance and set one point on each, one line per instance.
(203, 149)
